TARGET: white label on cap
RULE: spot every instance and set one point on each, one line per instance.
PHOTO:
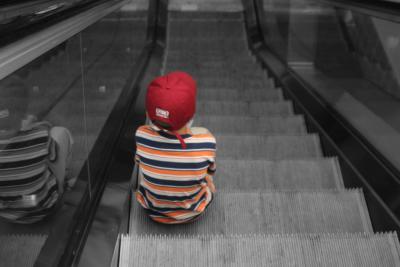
(162, 113)
(4, 113)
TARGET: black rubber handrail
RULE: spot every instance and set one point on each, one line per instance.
(24, 25)
(387, 9)
(15, 3)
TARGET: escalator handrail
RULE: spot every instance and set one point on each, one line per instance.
(17, 54)
(24, 8)
(387, 10)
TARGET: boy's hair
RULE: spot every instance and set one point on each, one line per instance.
(163, 125)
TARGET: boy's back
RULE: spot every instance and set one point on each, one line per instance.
(175, 183)
(176, 162)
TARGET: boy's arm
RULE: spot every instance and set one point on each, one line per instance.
(212, 168)
(137, 159)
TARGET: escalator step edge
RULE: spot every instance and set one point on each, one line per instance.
(307, 250)
(20, 250)
(325, 211)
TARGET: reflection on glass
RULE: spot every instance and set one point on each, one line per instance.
(104, 81)
(38, 162)
(275, 26)
(351, 59)
(52, 112)
(34, 156)
(108, 63)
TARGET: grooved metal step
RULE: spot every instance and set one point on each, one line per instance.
(251, 125)
(204, 83)
(196, 71)
(236, 95)
(234, 108)
(196, 66)
(268, 212)
(271, 179)
(268, 147)
(20, 250)
(357, 250)
(301, 174)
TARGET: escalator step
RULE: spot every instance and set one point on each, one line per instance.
(236, 95)
(20, 250)
(205, 16)
(197, 71)
(268, 212)
(251, 125)
(357, 250)
(235, 108)
(204, 83)
(268, 147)
(281, 175)
(198, 64)
(234, 77)
(194, 68)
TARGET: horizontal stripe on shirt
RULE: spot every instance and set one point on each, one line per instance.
(28, 188)
(171, 209)
(22, 163)
(173, 146)
(25, 144)
(171, 198)
(173, 187)
(175, 165)
(176, 183)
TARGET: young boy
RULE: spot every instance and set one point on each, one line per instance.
(33, 158)
(176, 162)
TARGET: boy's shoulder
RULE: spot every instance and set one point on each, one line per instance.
(145, 129)
(201, 132)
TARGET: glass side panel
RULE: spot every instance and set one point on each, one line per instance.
(52, 112)
(275, 17)
(103, 83)
(39, 159)
(108, 61)
(351, 59)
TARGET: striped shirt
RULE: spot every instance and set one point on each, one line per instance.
(175, 184)
(28, 188)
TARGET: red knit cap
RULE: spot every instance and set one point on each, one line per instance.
(171, 100)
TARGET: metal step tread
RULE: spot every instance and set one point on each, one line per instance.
(20, 250)
(268, 94)
(268, 147)
(249, 125)
(300, 174)
(357, 250)
(325, 211)
(259, 108)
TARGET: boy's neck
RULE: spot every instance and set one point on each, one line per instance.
(184, 130)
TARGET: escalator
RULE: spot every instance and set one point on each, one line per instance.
(299, 183)
(280, 201)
